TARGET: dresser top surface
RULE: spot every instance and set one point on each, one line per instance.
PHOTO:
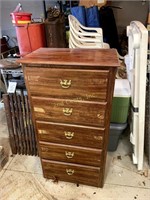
(66, 56)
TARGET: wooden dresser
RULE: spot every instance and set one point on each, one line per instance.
(70, 92)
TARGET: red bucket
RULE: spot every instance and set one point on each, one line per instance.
(20, 18)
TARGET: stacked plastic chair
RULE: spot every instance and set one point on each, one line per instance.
(85, 37)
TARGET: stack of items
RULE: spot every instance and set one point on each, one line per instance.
(20, 126)
(120, 110)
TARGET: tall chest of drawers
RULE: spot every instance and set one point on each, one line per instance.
(70, 92)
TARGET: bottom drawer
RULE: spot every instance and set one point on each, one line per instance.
(72, 173)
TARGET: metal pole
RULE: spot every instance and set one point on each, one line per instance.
(44, 7)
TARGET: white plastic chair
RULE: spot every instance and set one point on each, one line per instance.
(85, 37)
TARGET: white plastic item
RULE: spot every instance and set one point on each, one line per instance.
(122, 88)
(136, 62)
(84, 37)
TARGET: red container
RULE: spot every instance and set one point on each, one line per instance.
(30, 37)
(19, 18)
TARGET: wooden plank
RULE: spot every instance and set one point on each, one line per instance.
(28, 125)
(14, 122)
(34, 144)
(10, 124)
(25, 124)
(72, 57)
(18, 128)
(20, 117)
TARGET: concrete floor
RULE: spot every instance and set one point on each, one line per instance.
(22, 179)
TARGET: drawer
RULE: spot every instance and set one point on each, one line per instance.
(72, 173)
(68, 83)
(71, 154)
(70, 134)
(69, 111)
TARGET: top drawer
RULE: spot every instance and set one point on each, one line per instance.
(74, 84)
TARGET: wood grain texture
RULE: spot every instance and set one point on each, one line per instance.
(73, 154)
(107, 119)
(56, 111)
(81, 112)
(22, 135)
(84, 136)
(89, 85)
(77, 57)
(10, 123)
(81, 173)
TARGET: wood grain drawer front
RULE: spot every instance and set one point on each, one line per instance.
(70, 135)
(72, 173)
(73, 154)
(69, 111)
(74, 84)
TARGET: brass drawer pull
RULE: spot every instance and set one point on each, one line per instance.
(70, 171)
(65, 83)
(69, 154)
(67, 111)
(69, 135)
(100, 116)
(100, 138)
(44, 149)
(42, 132)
